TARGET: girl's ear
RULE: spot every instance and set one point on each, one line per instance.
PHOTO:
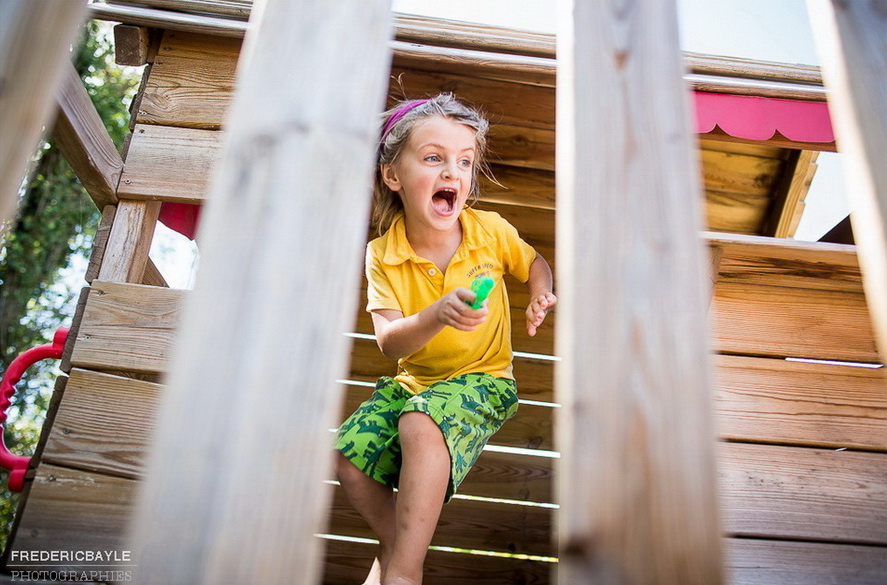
(389, 175)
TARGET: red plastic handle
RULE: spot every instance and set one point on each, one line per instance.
(17, 465)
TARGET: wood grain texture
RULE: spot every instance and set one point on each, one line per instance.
(759, 400)
(129, 241)
(297, 161)
(84, 141)
(852, 39)
(804, 494)
(749, 562)
(127, 327)
(791, 322)
(104, 423)
(635, 428)
(73, 509)
(774, 401)
(192, 81)
(232, 8)
(754, 562)
(789, 195)
(131, 45)
(787, 263)
(34, 47)
(472, 36)
(170, 164)
(95, 518)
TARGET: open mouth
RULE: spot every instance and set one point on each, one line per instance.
(444, 201)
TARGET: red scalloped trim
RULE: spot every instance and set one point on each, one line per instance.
(759, 118)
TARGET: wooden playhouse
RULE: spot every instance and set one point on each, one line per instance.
(802, 456)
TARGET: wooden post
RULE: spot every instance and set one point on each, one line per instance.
(852, 42)
(129, 241)
(233, 490)
(35, 36)
(637, 476)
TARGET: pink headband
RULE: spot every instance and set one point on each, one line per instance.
(397, 115)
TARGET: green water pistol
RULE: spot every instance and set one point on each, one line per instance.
(481, 286)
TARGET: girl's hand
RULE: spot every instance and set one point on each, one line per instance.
(451, 309)
(536, 311)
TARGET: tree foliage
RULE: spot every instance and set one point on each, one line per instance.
(55, 223)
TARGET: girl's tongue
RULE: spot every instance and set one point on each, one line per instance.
(444, 201)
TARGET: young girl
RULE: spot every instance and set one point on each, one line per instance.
(421, 431)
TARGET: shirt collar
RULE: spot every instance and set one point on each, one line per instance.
(474, 235)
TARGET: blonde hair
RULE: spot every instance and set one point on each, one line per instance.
(387, 204)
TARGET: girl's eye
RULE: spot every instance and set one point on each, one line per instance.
(466, 162)
(432, 158)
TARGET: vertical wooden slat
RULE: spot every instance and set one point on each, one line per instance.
(234, 483)
(790, 193)
(636, 481)
(126, 251)
(852, 42)
(34, 40)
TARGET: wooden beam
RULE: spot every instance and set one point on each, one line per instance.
(34, 43)
(103, 424)
(127, 327)
(84, 141)
(752, 562)
(126, 251)
(265, 317)
(132, 45)
(790, 193)
(239, 9)
(852, 40)
(773, 321)
(635, 428)
(804, 493)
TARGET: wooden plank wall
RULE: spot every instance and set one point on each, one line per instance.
(805, 445)
(802, 463)
(190, 88)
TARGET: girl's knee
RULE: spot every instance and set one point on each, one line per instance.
(418, 426)
(346, 472)
(416, 422)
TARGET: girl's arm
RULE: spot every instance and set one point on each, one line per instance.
(400, 336)
(542, 299)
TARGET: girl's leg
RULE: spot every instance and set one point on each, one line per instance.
(424, 477)
(375, 503)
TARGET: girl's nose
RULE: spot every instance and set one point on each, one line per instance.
(448, 171)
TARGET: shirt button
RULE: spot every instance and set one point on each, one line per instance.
(432, 271)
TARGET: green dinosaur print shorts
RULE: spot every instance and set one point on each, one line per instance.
(468, 409)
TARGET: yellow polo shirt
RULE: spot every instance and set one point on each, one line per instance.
(402, 281)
